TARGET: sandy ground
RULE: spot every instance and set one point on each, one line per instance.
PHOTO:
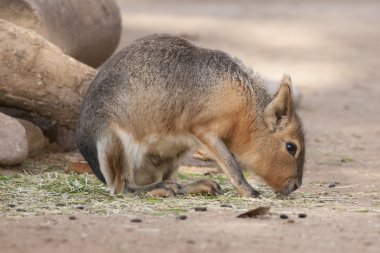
(331, 49)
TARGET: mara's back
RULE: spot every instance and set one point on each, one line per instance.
(156, 80)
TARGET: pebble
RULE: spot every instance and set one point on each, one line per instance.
(182, 217)
(332, 185)
(226, 205)
(284, 216)
(200, 209)
(72, 217)
(136, 220)
(12, 205)
(302, 215)
(80, 207)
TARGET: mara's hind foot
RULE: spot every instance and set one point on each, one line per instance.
(162, 189)
(201, 155)
(203, 187)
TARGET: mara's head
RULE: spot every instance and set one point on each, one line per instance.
(280, 148)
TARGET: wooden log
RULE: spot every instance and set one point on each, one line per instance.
(87, 30)
(36, 76)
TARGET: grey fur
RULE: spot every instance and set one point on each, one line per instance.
(151, 84)
(168, 67)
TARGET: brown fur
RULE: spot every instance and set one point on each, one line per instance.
(115, 161)
(163, 96)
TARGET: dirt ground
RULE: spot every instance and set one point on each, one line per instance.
(331, 50)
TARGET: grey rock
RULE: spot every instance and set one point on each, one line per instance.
(87, 30)
(13, 141)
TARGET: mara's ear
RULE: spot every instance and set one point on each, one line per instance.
(280, 111)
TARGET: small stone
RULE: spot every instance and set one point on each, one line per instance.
(36, 139)
(60, 204)
(137, 220)
(291, 221)
(284, 216)
(200, 209)
(79, 207)
(182, 217)
(48, 240)
(332, 185)
(72, 217)
(226, 205)
(302, 215)
(12, 205)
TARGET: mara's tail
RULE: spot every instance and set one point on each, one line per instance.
(87, 147)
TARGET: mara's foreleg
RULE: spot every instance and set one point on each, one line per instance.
(227, 162)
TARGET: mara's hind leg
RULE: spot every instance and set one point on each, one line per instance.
(119, 160)
(158, 176)
(112, 161)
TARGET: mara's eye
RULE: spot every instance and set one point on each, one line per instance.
(291, 148)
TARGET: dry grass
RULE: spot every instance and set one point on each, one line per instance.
(56, 192)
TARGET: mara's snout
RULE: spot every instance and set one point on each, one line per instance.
(292, 185)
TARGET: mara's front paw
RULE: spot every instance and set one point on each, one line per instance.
(248, 193)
